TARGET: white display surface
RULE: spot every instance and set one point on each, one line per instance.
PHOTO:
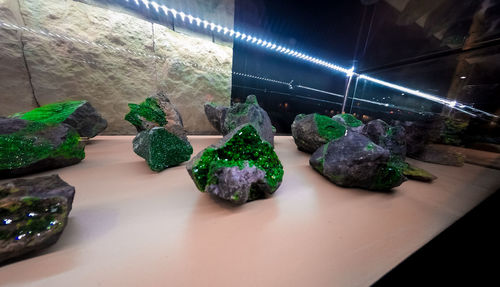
(131, 226)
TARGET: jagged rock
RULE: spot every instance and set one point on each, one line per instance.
(440, 154)
(33, 214)
(78, 114)
(249, 112)
(420, 133)
(161, 149)
(355, 161)
(240, 168)
(416, 173)
(156, 111)
(28, 147)
(215, 115)
(349, 121)
(314, 130)
(391, 138)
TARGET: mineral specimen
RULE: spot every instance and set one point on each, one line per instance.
(161, 149)
(349, 121)
(391, 138)
(28, 147)
(416, 173)
(240, 168)
(440, 154)
(215, 115)
(355, 161)
(156, 111)
(227, 119)
(312, 131)
(33, 214)
(78, 114)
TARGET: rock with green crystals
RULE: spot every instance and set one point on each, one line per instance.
(314, 130)
(78, 114)
(156, 111)
(350, 121)
(33, 214)
(391, 138)
(416, 173)
(27, 147)
(355, 161)
(240, 168)
(161, 149)
(248, 112)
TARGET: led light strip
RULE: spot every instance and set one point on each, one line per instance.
(262, 78)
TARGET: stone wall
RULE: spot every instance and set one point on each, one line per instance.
(125, 60)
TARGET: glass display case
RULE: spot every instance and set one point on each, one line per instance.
(317, 143)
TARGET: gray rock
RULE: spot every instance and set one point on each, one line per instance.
(312, 131)
(391, 138)
(28, 147)
(234, 184)
(215, 115)
(355, 161)
(249, 112)
(33, 214)
(420, 133)
(87, 121)
(161, 149)
(440, 154)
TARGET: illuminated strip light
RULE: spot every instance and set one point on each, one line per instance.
(261, 78)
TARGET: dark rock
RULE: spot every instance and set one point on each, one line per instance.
(240, 168)
(161, 149)
(355, 161)
(79, 114)
(420, 133)
(28, 147)
(215, 115)
(391, 138)
(33, 214)
(157, 111)
(312, 131)
(440, 154)
(249, 112)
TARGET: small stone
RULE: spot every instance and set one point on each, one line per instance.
(355, 161)
(314, 130)
(391, 138)
(161, 149)
(28, 147)
(156, 111)
(240, 168)
(78, 114)
(33, 214)
(416, 173)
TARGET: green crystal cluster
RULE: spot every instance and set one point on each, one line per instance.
(24, 147)
(22, 218)
(351, 120)
(163, 149)
(388, 175)
(53, 113)
(328, 128)
(245, 147)
(149, 110)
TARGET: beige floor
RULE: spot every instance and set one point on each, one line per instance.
(133, 227)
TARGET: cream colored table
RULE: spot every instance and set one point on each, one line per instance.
(134, 227)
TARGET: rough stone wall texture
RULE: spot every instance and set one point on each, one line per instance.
(191, 70)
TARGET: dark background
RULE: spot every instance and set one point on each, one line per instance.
(385, 39)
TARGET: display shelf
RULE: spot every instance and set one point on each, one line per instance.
(131, 226)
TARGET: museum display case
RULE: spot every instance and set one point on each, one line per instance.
(240, 143)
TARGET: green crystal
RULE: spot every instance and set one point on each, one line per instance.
(389, 175)
(24, 147)
(53, 113)
(149, 110)
(349, 120)
(328, 128)
(246, 146)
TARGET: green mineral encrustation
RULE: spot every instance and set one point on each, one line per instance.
(245, 147)
(328, 128)
(149, 110)
(388, 175)
(26, 146)
(53, 113)
(351, 121)
(161, 149)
